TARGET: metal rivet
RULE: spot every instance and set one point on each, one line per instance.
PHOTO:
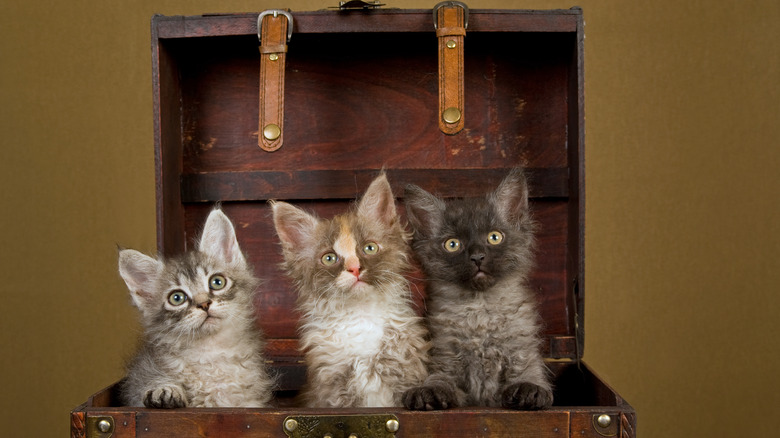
(290, 425)
(104, 426)
(451, 44)
(273, 56)
(604, 420)
(271, 132)
(451, 115)
(392, 425)
(353, 435)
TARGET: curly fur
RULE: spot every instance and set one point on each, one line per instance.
(483, 319)
(364, 344)
(206, 352)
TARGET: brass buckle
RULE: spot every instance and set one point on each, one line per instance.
(275, 13)
(451, 3)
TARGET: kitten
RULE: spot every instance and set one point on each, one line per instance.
(476, 254)
(201, 347)
(364, 344)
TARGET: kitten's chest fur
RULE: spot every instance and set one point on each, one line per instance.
(347, 334)
(485, 335)
(223, 370)
(485, 314)
(364, 355)
(481, 331)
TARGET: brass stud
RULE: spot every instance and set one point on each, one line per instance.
(271, 132)
(392, 425)
(451, 115)
(353, 435)
(273, 56)
(104, 426)
(604, 420)
(290, 425)
(451, 44)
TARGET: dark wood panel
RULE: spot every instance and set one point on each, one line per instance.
(167, 148)
(347, 109)
(349, 184)
(576, 159)
(382, 20)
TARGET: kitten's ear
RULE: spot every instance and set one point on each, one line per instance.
(378, 203)
(511, 196)
(219, 239)
(140, 273)
(423, 210)
(294, 226)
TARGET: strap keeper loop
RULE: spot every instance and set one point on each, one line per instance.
(279, 48)
(450, 31)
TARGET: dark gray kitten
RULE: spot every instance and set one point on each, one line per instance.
(476, 254)
(201, 347)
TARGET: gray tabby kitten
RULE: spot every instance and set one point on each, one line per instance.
(476, 254)
(364, 344)
(201, 347)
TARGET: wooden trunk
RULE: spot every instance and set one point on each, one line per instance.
(361, 94)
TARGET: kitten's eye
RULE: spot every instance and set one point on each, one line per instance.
(329, 259)
(495, 237)
(452, 245)
(177, 298)
(217, 282)
(371, 248)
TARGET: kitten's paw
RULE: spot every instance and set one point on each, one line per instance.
(526, 396)
(429, 398)
(167, 397)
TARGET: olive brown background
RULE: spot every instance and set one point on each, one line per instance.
(683, 209)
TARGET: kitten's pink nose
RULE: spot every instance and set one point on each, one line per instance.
(353, 267)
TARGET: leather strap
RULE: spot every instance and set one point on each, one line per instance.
(273, 31)
(450, 20)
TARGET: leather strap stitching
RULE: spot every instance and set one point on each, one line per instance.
(451, 31)
(272, 62)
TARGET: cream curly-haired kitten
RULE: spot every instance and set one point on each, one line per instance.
(364, 344)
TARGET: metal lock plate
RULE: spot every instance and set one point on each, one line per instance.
(341, 426)
(100, 427)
